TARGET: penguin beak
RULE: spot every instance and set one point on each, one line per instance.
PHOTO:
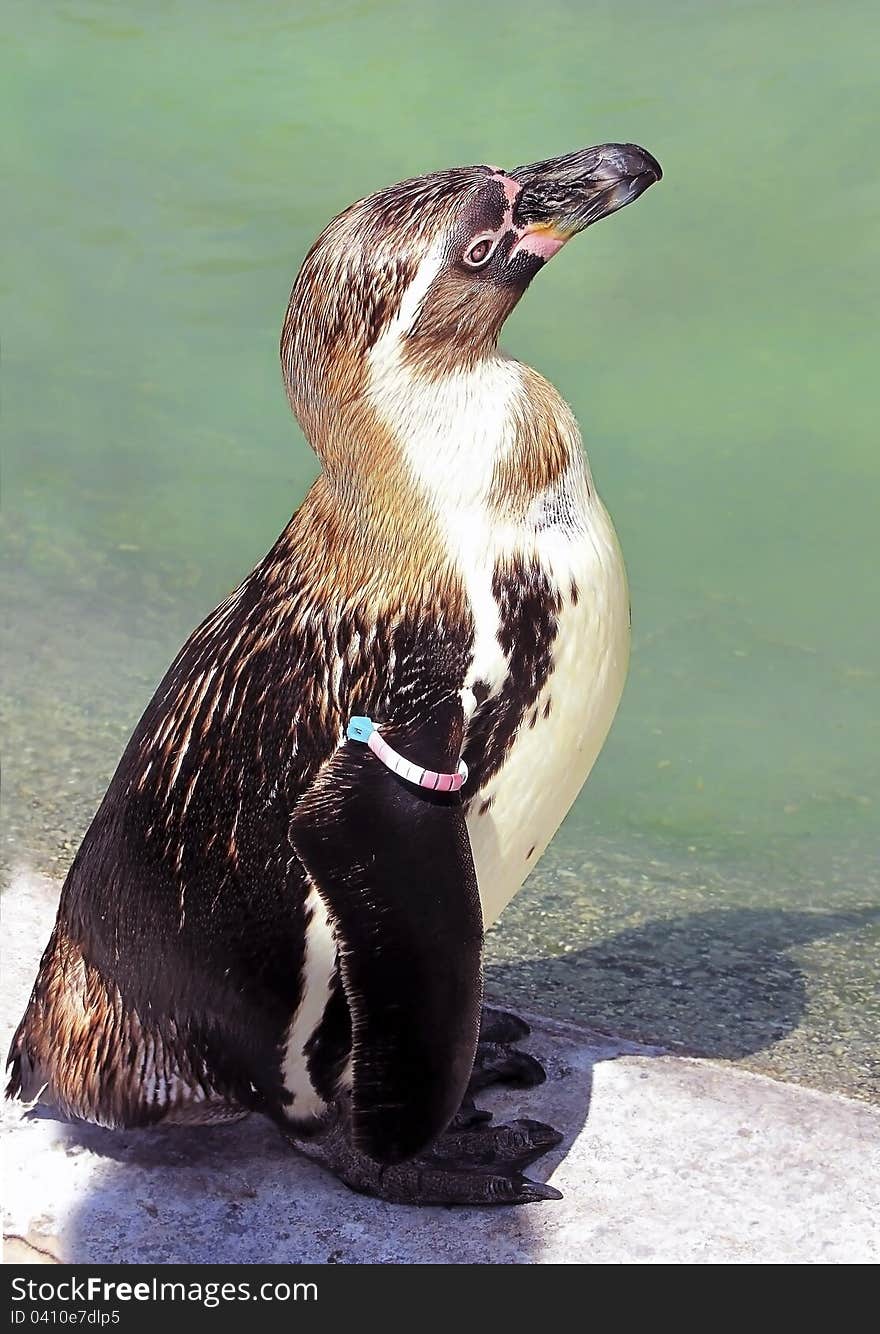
(564, 195)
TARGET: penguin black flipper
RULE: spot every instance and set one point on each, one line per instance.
(392, 863)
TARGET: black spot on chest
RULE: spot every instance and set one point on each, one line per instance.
(529, 607)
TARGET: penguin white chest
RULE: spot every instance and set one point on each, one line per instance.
(548, 711)
(538, 710)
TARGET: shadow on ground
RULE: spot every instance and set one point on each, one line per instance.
(720, 983)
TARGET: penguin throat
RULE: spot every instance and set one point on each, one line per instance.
(494, 436)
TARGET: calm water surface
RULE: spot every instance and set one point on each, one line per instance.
(167, 166)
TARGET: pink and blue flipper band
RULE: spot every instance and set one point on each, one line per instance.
(366, 731)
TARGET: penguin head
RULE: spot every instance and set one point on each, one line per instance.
(417, 279)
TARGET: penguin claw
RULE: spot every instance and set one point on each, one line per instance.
(509, 1188)
(538, 1190)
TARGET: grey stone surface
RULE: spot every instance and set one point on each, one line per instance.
(666, 1160)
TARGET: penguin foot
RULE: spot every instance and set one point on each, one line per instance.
(497, 1061)
(516, 1143)
(469, 1115)
(481, 1165)
(501, 1063)
(501, 1026)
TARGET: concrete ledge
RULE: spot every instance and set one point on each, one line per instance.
(665, 1161)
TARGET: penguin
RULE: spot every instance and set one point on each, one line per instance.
(357, 758)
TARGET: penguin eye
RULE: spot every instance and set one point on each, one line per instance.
(479, 252)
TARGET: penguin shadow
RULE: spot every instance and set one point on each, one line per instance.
(715, 984)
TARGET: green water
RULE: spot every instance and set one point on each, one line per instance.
(165, 168)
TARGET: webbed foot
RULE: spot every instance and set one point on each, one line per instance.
(497, 1061)
(473, 1161)
(480, 1165)
(517, 1143)
(501, 1026)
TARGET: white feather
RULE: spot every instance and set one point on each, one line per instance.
(454, 432)
(319, 967)
(549, 763)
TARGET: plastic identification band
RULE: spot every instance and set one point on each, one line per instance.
(365, 730)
